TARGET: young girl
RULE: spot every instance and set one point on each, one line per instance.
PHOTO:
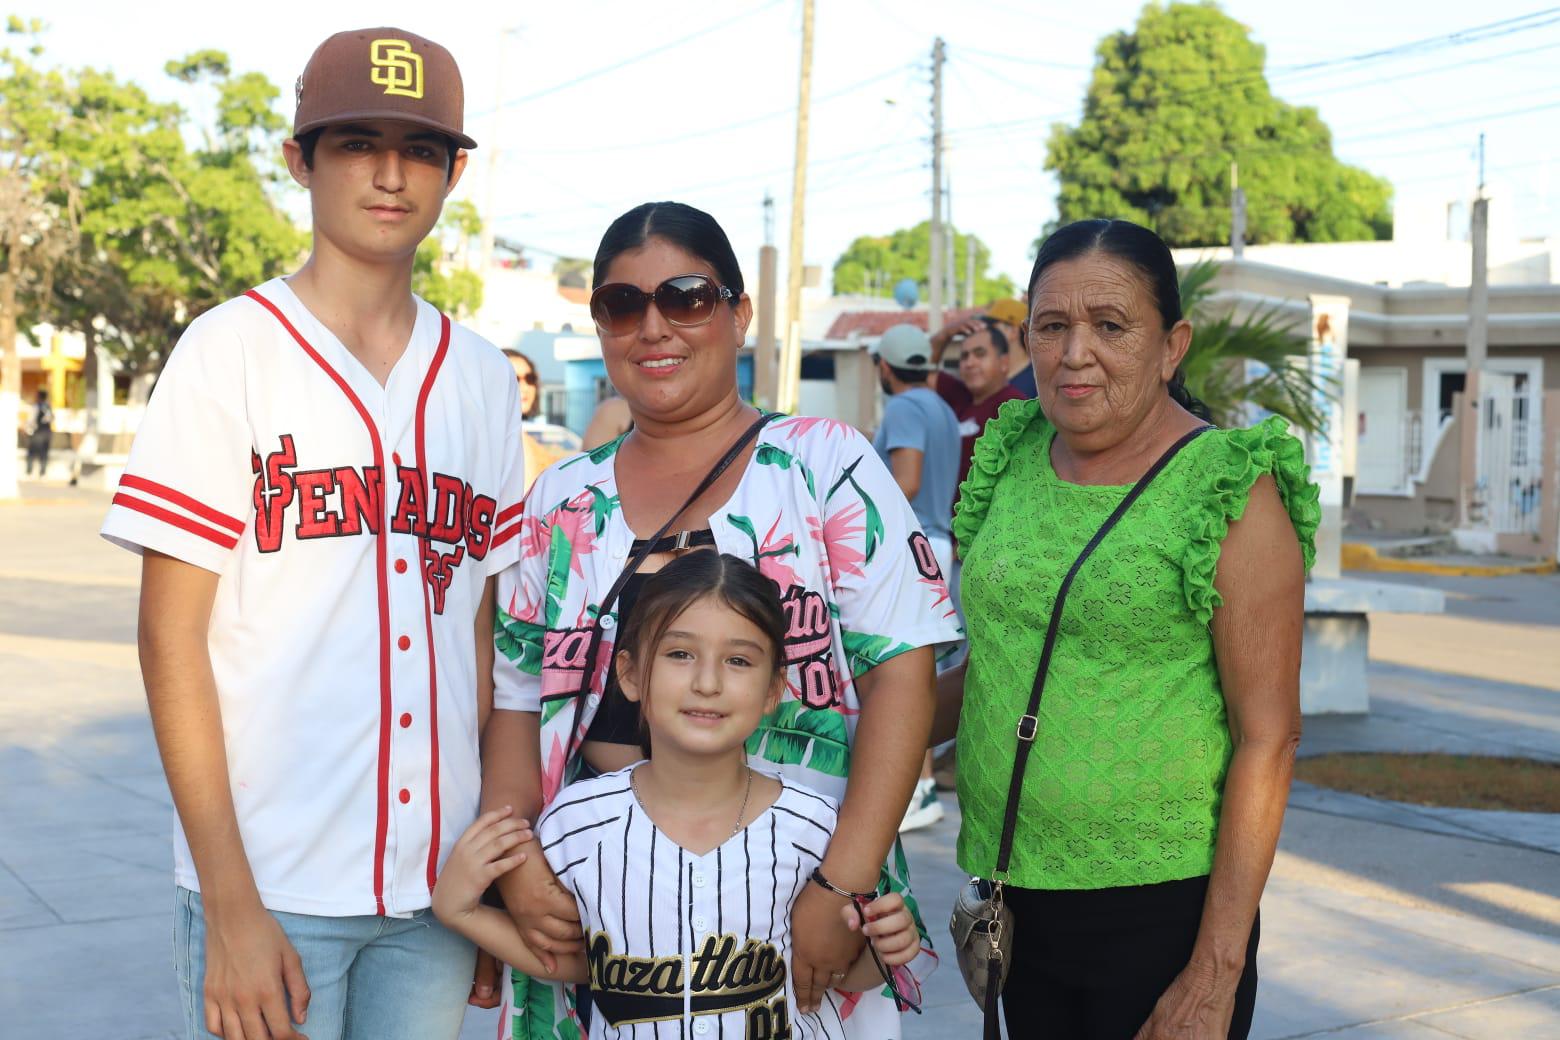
(685, 866)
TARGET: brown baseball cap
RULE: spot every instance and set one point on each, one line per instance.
(381, 74)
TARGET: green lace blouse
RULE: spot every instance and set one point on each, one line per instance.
(1125, 781)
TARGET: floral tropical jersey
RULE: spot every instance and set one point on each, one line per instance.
(816, 512)
(1126, 778)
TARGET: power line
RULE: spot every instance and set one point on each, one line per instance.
(737, 125)
(632, 59)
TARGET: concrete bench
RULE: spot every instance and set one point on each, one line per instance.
(1337, 638)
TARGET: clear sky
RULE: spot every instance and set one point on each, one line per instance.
(593, 106)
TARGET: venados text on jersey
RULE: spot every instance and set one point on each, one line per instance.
(449, 512)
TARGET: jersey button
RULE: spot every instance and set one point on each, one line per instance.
(406, 719)
(699, 923)
(400, 566)
(405, 796)
(609, 622)
(698, 880)
(395, 457)
(701, 1027)
(405, 642)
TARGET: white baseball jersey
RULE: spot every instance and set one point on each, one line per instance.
(352, 526)
(682, 946)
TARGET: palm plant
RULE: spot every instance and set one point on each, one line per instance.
(1216, 368)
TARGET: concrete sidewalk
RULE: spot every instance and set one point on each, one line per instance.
(1380, 922)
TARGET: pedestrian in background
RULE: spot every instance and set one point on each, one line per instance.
(918, 440)
(1008, 316)
(42, 434)
(1148, 813)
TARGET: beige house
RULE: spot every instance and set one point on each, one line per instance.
(1412, 468)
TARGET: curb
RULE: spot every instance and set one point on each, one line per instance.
(1360, 557)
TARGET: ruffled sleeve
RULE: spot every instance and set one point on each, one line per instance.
(1234, 467)
(992, 452)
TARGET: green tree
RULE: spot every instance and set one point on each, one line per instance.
(1171, 105)
(1216, 367)
(873, 265)
(170, 231)
(441, 272)
(40, 211)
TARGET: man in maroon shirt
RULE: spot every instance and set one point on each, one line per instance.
(982, 383)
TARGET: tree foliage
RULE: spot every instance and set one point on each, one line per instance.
(1176, 100)
(1216, 365)
(441, 272)
(168, 230)
(873, 265)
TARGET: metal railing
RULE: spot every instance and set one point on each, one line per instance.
(1508, 491)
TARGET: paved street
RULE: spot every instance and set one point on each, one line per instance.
(1382, 922)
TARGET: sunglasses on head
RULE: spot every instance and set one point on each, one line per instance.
(686, 301)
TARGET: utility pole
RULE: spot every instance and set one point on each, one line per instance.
(1478, 347)
(934, 295)
(1237, 213)
(950, 237)
(490, 189)
(791, 356)
(969, 269)
(765, 372)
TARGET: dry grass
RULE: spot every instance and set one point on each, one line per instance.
(1453, 781)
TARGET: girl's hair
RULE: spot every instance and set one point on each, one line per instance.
(668, 592)
(536, 404)
(1145, 251)
(691, 230)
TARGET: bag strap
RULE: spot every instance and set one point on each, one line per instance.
(650, 545)
(1029, 722)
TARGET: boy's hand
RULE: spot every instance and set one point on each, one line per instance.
(890, 928)
(485, 852)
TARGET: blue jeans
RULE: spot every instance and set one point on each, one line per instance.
(384, 978)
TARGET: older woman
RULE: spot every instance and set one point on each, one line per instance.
(1151, 803)
(808, 502)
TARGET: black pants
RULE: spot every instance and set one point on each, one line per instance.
(1091, 965)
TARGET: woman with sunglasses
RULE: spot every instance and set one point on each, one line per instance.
(808, 503)
(545, 442)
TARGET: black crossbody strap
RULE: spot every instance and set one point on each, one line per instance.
(648, 546)
(1029, 722)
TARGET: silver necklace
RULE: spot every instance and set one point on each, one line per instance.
(736, 828)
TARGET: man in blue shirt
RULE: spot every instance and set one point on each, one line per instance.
(918, 440)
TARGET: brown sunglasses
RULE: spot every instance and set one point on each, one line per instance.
(686, 301)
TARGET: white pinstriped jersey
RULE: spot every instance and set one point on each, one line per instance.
(352, 527)
(685, 947)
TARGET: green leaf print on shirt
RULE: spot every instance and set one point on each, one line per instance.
(519, 641)
(598, 455)
(560, 554)
(795, 734)
(865, 651)
(774, 455)
(872, 522)
(536, 1011)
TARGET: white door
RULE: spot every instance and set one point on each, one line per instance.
(1383, 457)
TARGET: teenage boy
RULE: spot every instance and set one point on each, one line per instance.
(327, 477)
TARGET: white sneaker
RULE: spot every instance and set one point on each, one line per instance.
(924, 809)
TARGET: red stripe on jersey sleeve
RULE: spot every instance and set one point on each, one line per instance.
(509, 514)
(504, 536)
(181, 500)
(173, 519)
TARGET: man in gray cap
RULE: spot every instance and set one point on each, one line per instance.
(327, 479)
(918, 440)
